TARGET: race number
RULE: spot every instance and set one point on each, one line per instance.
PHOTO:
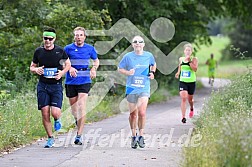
(138, 81)
(50, 72)
(186, 74)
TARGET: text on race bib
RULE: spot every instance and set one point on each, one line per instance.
(186, 74)
(138, 81)
(50, 72)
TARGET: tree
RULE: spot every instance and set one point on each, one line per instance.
(21, 31)
(241, 40)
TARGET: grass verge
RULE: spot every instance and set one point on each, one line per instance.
(226, 127)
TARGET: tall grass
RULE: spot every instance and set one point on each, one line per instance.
(226, 127)
(20, 121)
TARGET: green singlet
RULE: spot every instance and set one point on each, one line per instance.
(187, 74)
(211, 67)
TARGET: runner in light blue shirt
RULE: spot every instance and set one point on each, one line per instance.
(139, 66)
(140, 81)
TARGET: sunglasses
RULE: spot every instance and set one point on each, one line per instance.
(138, 41)
(46, 38)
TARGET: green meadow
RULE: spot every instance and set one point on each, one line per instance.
(225, 68)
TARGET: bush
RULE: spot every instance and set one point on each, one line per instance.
(226, 127)
(20, 121)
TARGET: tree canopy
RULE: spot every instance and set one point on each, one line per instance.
(22, 23)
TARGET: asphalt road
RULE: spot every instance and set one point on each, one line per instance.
(107, 143)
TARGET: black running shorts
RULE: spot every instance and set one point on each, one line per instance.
(189, 87)
(73, 90)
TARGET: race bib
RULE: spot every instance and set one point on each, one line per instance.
(50, 72)
(138, 81)
(186, 74)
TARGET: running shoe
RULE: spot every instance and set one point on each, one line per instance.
(191, 113)
(183, 120)
(141, 142)
(134, 142)
(57, 125)
(77, 140)
(212, 81)
(50, 142)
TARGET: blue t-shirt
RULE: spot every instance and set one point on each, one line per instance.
(80, 57)
(139, 82)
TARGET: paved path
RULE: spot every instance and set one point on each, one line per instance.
(107, 143)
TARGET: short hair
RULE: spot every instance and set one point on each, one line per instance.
(80, 29)
(137, 36)
(49, 29)
(188, 45)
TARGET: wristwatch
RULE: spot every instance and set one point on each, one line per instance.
(153, 72)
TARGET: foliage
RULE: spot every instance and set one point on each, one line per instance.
(241, 40)
(220, 26)
(21, 31)
(190, 19)
(225, 125)
(20, 117)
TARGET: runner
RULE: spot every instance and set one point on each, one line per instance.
(187, 79)
(212, 64)
(139, 66)
(78, 79)
(47, 63)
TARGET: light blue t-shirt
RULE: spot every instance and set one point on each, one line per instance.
(139, 82)
(80, 57)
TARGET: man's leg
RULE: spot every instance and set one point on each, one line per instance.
(212, 78)
(56, 112)
(133, 123)
(74, 106)
(78, 107)
(46, 120)
(133, 117)
(142, 106)
(209, 76)
(81, 112)
(48, 126)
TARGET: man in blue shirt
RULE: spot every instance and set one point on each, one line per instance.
(79, 77)
(139, 66)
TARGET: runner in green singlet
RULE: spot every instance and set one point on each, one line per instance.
(212, 64)
(187, 79)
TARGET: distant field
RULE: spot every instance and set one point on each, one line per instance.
(218, 44)
(225, 69)
(229, 69)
